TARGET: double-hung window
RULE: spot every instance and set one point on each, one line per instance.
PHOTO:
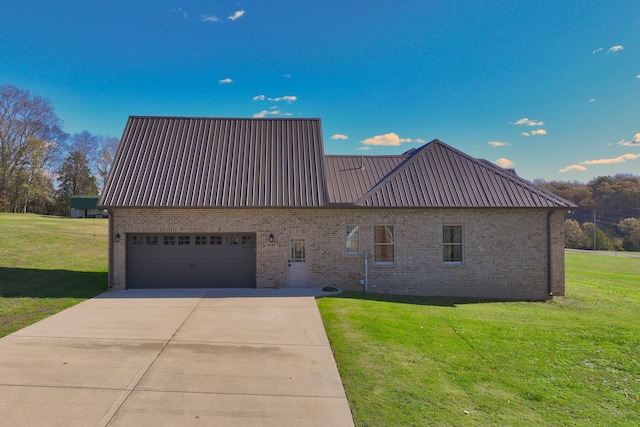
(352, 240)
(383, 244)
(452, 244)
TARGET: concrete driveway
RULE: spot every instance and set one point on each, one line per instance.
(175, 358)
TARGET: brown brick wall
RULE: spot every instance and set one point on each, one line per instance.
(505, 250)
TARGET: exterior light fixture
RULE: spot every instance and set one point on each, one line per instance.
(271, 237)
(116, 238)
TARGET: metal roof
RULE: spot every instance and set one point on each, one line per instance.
(351, 177)
(438, 175)
(213, 162)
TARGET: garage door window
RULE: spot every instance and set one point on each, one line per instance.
(169, 240)
(248, 241)
(201, 240)
(216, 240)
(152, 240)
(137, 240)
(183, 240)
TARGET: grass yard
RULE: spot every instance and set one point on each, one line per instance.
(435, 361)
(48, 264)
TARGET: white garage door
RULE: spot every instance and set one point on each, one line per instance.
(224, 260)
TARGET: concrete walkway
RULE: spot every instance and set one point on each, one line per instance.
(175, 358)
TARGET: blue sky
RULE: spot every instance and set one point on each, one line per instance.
(551, 88)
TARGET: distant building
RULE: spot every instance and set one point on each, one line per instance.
(207, 202)
(86, 207)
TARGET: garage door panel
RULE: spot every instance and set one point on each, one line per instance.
(191, 261)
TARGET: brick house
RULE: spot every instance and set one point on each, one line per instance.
(208, 202)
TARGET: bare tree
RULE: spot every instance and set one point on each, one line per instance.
(30, 133)
(105, 159)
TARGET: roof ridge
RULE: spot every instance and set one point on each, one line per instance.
(368, 156)
(223, 118)
(395, 171)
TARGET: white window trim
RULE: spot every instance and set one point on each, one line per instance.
(395, 242)
(346, 240)
(461, 244)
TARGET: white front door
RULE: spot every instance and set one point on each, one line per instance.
(298, 265)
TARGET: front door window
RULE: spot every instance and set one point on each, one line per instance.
(297, 250)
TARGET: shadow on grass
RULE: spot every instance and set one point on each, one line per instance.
(416, 300)
(33, 283)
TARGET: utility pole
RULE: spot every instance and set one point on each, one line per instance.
(594, 231)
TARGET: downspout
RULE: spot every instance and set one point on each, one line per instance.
(367, 255)
(366, 270)
(549, 253)
(110, 238)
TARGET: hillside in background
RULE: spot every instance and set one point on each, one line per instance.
(612, 202)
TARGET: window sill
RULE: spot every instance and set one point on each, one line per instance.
(452, 263)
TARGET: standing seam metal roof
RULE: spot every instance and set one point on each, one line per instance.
(215, 162)
(437, 175)
(200, 162)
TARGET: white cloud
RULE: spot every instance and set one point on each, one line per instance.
(616, 48)
(209, 18)
(236, 15)
(389, 139)
(504, 163)
(288, 98)
(635, 141)
(573, 168)
(498, 143)
(591, 100)
(264, 113)
(538, 132)
(225, 81)
(638, 76)
(272, 112)
(619, 159)
(526, 121)
(612, 160)
(181, 11)
(286, 76)
(339, 136)
(365, 147)
(420, 140)
(525, 134)
(598, 50)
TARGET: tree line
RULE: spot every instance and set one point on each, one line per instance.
(608, 213)
(41, 166)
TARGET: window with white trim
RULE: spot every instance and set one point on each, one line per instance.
(452, 244)
(352, 240)
(383, 244)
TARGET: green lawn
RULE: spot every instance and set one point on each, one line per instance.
(48, 264)
(437, 361)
